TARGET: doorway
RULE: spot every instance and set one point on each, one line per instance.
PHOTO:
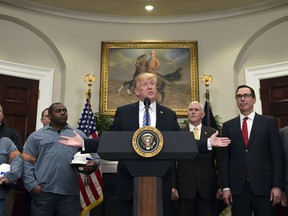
(274, 99)
(23, 101)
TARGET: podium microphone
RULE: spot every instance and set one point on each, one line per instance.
(147, 102)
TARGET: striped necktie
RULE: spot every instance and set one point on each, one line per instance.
(146, 119)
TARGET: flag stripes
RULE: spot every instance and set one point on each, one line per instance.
(91, 185)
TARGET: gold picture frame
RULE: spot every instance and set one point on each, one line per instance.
(178, 68)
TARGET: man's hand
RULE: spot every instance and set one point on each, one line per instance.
(89, 167)
(219, 141)
(75, 141)
(174, 194)
(36, 190)
(227, 197)
(3, 180)
(219, 194)
(275, 195)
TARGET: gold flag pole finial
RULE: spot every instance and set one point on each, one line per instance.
(206, 79)
(90, 78)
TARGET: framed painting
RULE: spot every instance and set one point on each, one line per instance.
(176, 64)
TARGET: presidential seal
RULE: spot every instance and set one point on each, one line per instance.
(147, 141)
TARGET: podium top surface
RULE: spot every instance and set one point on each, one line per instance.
(117, 145)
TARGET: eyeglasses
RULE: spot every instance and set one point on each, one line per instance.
(240, 96)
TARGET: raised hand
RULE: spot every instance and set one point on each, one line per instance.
(76, 140)
(219, 141)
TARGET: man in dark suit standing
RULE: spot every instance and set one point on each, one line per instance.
(251, 168)
(284, 141)
(196, 180)
(130, 118)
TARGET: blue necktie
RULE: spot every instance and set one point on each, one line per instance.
(146, 119)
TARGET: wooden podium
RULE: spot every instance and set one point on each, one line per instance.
(147, 172)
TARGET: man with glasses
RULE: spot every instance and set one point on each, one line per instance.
(251, 167)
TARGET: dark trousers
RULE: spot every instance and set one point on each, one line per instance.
(198, 207)
(248, 202)
(47, 204)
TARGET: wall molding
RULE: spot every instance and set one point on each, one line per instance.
(44, 75)
(253, 76)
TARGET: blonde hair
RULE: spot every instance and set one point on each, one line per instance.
(144, 75)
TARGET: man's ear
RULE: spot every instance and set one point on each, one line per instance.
(203, 115)
(136, 92)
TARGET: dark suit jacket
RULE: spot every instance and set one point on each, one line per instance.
(261, 161)
(127, 119)
(198, 174)
(284, 140)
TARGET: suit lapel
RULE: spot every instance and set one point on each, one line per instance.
(256, 124)
(159, 117)
(204, 132)
(134, 114)
(237, 131)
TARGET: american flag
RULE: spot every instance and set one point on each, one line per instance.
(91, 193)
(209, 119)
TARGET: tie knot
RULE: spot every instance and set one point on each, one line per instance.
(245, 118)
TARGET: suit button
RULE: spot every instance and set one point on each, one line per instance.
(246, 150)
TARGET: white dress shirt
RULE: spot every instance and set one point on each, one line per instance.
(152, 113)
(249, 121)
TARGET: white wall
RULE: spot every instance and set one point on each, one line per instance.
(72, 47)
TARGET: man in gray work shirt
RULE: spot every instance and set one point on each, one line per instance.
(47, 172)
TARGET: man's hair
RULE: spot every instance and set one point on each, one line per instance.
(51, 107)
(144, 75)
(42, 114)
(245, 86)
(200, 104)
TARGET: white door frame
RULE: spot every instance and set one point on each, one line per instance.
(45, 77)
(253, 76)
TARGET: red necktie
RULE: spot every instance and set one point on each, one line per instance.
(245, 131)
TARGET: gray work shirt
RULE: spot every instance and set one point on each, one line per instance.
(7, 149)
(52, 169)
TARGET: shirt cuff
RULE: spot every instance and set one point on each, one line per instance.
(82, 143)
(209, 147)
(226, 189)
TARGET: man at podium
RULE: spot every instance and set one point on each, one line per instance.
(130, 118)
